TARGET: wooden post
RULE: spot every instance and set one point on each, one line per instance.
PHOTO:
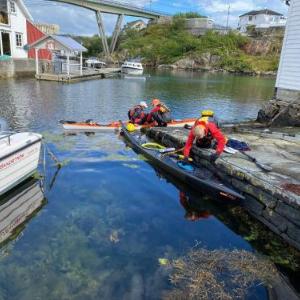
(1, 46)
(36, 61)
(80, 63)
(68, 64)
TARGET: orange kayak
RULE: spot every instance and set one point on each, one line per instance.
(94, 126)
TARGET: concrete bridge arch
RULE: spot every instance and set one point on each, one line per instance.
(115, 8)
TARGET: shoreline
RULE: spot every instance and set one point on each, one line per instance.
(272, 198)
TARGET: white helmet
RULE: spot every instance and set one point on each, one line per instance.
(144, 104)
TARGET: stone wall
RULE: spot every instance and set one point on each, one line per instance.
(7, 69)
(275, 206)
(20, 68)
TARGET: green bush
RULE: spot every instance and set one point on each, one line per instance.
(167, 43)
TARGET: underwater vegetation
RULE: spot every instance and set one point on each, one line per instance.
(219, 274)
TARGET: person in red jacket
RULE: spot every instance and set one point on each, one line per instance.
(159, 114)
(205, 132)
(137, 115)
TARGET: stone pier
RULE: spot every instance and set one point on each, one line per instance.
(271, 197)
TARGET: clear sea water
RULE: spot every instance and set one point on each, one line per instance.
(109, 215)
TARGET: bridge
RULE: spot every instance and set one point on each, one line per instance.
(115, 8)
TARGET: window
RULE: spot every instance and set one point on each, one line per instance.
(250, 18)
(4, 13)
(12, 7)
(19, 39)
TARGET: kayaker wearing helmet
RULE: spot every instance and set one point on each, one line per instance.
(159, 114)
(204, 132)
(136, 115)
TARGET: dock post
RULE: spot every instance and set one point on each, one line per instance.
(102, 33)
(116, 33)
(36, 61)
(68, 64)
(1, 45)
(80, 63)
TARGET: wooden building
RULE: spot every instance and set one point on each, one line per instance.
(288, 77)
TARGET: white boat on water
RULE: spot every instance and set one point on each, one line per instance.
(132, 68)
(19, 157)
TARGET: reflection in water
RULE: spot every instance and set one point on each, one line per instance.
(202, 207)
(17, 207)
(192, 213)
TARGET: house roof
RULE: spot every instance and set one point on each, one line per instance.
(65, 41)
(24, 9)
(135, 22)
(21, 5)
(262, 12)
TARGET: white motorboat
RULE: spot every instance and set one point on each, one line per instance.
(132, 68)
(18, 206)
(19, 157)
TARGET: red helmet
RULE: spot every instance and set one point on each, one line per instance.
(155, 102)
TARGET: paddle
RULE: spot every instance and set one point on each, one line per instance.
(260, 165)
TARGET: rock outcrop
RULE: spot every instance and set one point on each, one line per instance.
(280, 113)
(205, 61)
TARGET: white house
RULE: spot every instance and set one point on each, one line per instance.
(264, 18)
(137, 25)
(288, 77)
(13, 32)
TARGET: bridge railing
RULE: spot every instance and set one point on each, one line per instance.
(128, 5)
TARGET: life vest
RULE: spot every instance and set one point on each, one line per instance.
(136, 112)
(163, 108)
(208, 137)
(211, 119)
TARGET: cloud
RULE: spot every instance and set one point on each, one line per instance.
(80, 21)
(71, 19)
(218, 9)
(222, 6)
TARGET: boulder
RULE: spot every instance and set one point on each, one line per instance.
(280, 113)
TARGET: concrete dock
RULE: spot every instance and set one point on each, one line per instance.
(87, 75)
(271, 197)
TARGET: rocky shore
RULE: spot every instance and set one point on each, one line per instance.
(209, 63)
(278, 113)
(274, 197)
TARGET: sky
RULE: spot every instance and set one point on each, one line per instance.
(80, 21)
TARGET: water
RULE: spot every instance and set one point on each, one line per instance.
(109, 215)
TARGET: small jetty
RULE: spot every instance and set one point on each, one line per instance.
(86, 75)
(271, 197)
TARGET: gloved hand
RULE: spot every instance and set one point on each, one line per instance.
(213, 157)
(186, 160)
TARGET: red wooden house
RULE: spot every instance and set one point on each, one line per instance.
(34, 34)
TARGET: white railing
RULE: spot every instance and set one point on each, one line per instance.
(6, 135)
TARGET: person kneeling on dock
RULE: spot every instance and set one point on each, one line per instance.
(204, 132)
(159, 114)
(136, 115)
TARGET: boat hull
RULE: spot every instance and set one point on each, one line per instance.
(87, 127)
(132, 71)
(19, 165)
